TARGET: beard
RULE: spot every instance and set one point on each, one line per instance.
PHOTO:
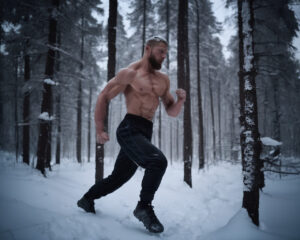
(154, 63)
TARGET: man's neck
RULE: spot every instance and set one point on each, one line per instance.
(146, 66)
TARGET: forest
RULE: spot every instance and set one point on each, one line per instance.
(243, 109)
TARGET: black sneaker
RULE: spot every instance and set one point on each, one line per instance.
(146, 215)
(86, 204)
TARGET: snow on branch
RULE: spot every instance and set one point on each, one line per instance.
(270, 142)
(45, 116)
(50, 82)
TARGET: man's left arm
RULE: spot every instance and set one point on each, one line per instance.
(173, 108)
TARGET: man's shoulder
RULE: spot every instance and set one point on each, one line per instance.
(127, 71)
(163, 76)
(126, 75)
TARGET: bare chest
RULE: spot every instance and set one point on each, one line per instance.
(145, 85)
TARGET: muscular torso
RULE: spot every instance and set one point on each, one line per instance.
(143, 93)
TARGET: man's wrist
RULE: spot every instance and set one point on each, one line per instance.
(99, 129)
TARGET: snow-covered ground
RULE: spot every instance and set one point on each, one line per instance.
(35, 208)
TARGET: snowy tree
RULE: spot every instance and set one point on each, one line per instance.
(277, 69)
(183, 73)
(111, 67)
(46, 117)
(250, 139)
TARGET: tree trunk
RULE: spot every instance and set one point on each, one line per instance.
(45, 122)
(48, 147)
(168, 30)
(233, 151)
(1, 72)
(159, 126)
(219, 121)
(111, 68)
(79, 98)
(89, 123)
(276, 109)
(168, 67)
(144, 25)
(277, 116)
(265, 107)
(26, 106)
(58, 104)
(250, 140)
(183, 76)
(200, 111)
(16, 91)
(212, 115)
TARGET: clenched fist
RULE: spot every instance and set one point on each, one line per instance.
(181, 94)
(102, 137)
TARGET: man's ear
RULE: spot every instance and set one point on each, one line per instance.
(147, 48)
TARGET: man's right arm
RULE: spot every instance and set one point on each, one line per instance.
(115, 86)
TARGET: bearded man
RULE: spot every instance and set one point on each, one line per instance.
(143, 86)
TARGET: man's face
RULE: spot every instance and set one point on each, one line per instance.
(158, 54)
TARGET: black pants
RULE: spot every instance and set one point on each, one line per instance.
(134, 136)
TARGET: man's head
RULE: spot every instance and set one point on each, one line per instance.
(154, 40)
(156, 51)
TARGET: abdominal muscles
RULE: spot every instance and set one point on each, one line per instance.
(143, 105)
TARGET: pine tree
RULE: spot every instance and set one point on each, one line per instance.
(79, 97)
(199, 95)
(250, 139)
(26, 107)
(58, 102)
(111, 67)
(78, 29)
(183, 73)
(142, 20)
(46, 108)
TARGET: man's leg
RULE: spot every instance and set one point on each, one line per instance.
(140, 150)
(123, 170)
(145, 154)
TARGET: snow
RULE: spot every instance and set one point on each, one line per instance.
(240, 227)
(249, 107)
(248, 135)
(3, 49)
(34, 207)
(249, 171)
(45, 116)
(248, 85)
(269, 141)
(50, 82)
(249, 121)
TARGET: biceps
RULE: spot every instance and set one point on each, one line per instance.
(112, 89)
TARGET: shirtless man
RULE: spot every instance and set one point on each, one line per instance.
(142, 86)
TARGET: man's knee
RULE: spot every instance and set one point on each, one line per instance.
(164, 162)
(159, 161)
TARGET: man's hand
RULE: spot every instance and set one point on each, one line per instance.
(102, 137)
(181, 94)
